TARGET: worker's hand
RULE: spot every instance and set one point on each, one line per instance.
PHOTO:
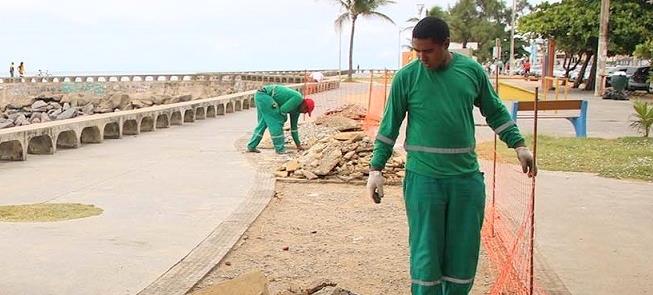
(375, 185)
(527, 161)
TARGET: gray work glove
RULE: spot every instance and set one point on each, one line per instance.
(375, 186)
(527, 161)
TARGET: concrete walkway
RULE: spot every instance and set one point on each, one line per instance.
(162, 193)
(595, 233)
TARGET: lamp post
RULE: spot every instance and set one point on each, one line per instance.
(602, 49)
(512, 38)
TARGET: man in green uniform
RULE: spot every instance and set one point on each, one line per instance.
(444, 190)
(273, 105)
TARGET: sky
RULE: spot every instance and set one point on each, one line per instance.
(144, 36)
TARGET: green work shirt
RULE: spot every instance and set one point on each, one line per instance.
(288, 101)
(440, 136)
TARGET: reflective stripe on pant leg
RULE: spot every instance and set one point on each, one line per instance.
(275, 125)
(464, 221)
(258, 131)
(425, 210)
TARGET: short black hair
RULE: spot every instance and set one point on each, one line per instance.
(431, 27)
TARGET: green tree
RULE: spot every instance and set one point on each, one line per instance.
(464, 19)
(353, 10)
(436, 11)
(574, 24)
(645, 51)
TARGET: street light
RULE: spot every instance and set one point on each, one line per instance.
(512, 38)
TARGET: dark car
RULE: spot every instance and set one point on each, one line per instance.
(629, 70)
(640, 79)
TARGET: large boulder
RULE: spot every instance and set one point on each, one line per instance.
(112, 102)
(39, 106)
(67, 114)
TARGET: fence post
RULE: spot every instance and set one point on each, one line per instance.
(532, 207)
(369, 94)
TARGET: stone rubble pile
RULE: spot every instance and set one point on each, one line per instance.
(344, 156)
(49, 107)
(344, 118)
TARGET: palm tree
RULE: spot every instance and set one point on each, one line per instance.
(436, 11)
(354, 9)
(643, 117)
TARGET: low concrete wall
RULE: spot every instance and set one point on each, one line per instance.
(45, 138)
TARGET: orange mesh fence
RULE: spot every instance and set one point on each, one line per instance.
(368, 91)
(509, 227)
(507, 232)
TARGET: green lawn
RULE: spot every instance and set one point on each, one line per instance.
(628, 157)
(47, 212)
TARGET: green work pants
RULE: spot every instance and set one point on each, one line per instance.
(269, 116)
(445, 216)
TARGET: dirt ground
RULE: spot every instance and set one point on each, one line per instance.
(310, 232)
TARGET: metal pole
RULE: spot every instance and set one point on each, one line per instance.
(603, 47)
(512, 37)
(532, 209)
(339, 53)
(399, 48)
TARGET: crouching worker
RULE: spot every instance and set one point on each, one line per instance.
(273, 105)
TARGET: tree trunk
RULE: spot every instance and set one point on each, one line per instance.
(351, 47)
(590, 81)
(565, 64)
(581, 73)
(580, 57)
(464, 43)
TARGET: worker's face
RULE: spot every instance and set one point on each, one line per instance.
(303, 108)
(431, 53)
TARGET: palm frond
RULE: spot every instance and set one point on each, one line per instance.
(381, 15)
(643, 117)
(341, 20)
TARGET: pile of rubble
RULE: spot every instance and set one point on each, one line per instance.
(344, 118)
(309, 134)
(344, 156)
(351, 111)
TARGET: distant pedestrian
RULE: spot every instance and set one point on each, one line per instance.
(317, 76)
(21, 69)
(527, 68)
(11, 70)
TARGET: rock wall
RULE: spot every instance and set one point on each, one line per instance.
(24, 93)
(26, 103)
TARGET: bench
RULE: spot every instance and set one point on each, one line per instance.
(579, 121)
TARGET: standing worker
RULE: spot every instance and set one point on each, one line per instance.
(444, 190)
(11, 70)
(21, 69)
(273, 105)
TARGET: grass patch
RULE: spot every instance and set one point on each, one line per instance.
(47, 212)
(628, 157)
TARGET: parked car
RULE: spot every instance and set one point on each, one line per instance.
(639, 79)
(629, 70)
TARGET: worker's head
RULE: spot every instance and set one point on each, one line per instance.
(307, 106)
(431, 41)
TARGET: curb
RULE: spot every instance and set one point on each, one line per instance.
(184, 275)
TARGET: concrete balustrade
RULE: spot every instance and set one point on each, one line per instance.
(262, 76)
(46, 138)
